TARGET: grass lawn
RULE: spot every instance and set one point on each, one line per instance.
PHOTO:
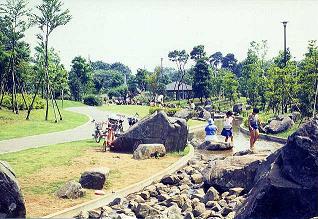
(41, 171)
(193, 123)
(128, 110)
(14, 125)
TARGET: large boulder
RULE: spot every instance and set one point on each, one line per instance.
(279, 125)
(286, 185)
(11, 201)
(238, 108)
(71, 190)
(157, 128)
(233, 171)
(94, 179)
(184, 114)
(146, 151)
(215, 146)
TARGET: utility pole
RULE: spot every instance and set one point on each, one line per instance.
(285, 48)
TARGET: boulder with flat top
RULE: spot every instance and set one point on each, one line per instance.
(157, 128)
(215, 146)
(279, 125)
(146, 151)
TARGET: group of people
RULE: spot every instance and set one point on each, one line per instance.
(227, 131)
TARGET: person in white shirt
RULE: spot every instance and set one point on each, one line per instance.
(227, 131)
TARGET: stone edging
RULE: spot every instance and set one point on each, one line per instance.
(264, 136)
(96, 203)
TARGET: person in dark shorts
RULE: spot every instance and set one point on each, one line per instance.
(253, 123)
(227, 130)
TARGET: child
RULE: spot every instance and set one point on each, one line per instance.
(210, 131)
(253, 123)
(227, 130)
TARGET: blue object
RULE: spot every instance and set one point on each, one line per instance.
(227, 132)
(210, 129)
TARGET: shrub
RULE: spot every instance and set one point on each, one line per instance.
(92, 100)
(168, 111)
(39, 103)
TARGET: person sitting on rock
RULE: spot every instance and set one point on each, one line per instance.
(227, 130)
(210, 131)
(253, 123)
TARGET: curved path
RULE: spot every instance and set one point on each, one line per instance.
(79, 133)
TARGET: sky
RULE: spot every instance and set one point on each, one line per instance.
(139, 33)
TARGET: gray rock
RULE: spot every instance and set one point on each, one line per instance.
(211, 195)
(238, 108)
(296, 116)
(215, 146)
(233, 171)
(163, 197)
(71, 190)
(286, 184)
(171, 179)
(189, 215)
(236, 191)
(199, 209)
(116, 201)
(143, 210)
(197, 178)
(94, 179)
(173, 212)
(184, 114)
(146, 151)
(203, 114)
(11, 201)
(145, 195)
(154, 129)
(214, 205)
(278, 126)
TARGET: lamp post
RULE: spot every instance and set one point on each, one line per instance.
(285, 49)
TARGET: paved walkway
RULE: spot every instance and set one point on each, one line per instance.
(79, 133)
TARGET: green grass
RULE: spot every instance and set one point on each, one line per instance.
(128, 110)
(14, 125)
(32, 160)
(193, 123)
(181, 153)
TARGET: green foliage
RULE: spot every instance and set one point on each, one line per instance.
(120, 91)
(201, 79)
(197, 52)
(105, 80)
(80, 78)
(92, 100)
(38, 102)
(168, 111)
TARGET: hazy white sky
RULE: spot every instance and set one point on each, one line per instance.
(139, 32)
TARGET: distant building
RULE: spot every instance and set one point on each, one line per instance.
(185, 90)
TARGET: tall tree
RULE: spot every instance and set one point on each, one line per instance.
(180, 58)
(197, 52)
(51, 15)
(14, 15)
(215, 61)
(201, 79)
(80, 78)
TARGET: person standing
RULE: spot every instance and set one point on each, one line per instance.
(253, 123)
(210, 131)
(227, 130)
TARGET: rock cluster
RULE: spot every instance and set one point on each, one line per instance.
(179, 195)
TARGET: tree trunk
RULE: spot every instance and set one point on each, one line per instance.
(36, 92)
(47, 76)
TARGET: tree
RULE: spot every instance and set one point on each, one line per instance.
(215, 61)
(230, 85)
(229, 62)
(308, 76)
(104, 80)
(201, 79)
(181, 59)
(197, 52)
(141, 79)
(49, 18)
(80, 78)
(14, 14)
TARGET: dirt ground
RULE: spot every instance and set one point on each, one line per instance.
(39, 188)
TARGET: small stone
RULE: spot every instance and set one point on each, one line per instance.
(71, 190)
(199, 209)
(224, 194)
(189, 215)
(170, 180)
(197, 178)
(163, 197)
(222, 203)
(226, 210)
(145, 195)
(236, 191)
(198, 194)
(116, 201)
(211, 195)
(214, 206)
